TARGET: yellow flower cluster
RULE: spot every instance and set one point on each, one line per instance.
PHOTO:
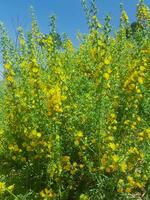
(4, 188)
(55, 100)
(143, 12)
(9, 72)
(47, 194)
(74, 122)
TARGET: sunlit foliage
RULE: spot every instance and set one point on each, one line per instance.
(75, 121)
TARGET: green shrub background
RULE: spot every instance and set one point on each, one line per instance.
(74, 122)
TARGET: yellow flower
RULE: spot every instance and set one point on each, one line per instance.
(46, 193)
(99, 25)
(106, 76)
(114, 167)
(108, 60)
(35, 69)
(38, 135)
(34, 61)
(121, 181)
(94, 17)
(138, 90)
(84, 197)
(22, 42)
(10, 79)
(67, 167)
(140, 80)
(2, 187)
(79, 134)
(126, 122)
(128, 190)
(111, 138)
(125, 16)
(138, 118)
(7, 66)
(11, 187)
(66, 158)
(132, 126)
(115, 158)
(130, 180)
(120, 190)
(141, 154)
(114, 128)
(141, 134)
(147, 130)
(113, 115)
(109, 71)
(143, 12)
(142, 68)
(123, 166)
(42, 194)
(81, 166)
(145, 177)
(112, 146)
(139, 185)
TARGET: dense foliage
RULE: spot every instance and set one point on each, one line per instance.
(74, 122)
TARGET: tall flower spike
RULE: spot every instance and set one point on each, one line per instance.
(91, 15)
(4, 43)
(53, 32)
(8, 49)
(35, 34)
(93, 9)
(22, 42)
(143, 13)
(21, 37)
(35, 27)
(107, 27)
(124, 19)
(87, 12)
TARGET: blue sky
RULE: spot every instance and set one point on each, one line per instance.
(70, 15)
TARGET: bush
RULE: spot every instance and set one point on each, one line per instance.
(75, 122)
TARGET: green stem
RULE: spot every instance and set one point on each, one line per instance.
(12, 194)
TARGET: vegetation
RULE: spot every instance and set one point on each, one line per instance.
(74, 122)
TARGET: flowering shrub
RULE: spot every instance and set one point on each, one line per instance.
(75, 122)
